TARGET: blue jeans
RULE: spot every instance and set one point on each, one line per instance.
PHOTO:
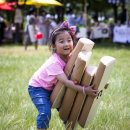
(41, 99)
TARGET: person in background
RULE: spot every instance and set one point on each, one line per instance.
(42, 83)
(80, 20)
(53, 24)
(70, 16)
(9, 32)
(2, 28)
(41, 26)
(18, 19)
(30, 29)
(49, 25)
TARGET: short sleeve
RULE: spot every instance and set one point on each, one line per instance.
(54, 69)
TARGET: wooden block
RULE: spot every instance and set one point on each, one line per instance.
(83, 44)
(80, 97)
(100, 79)
(80, 65)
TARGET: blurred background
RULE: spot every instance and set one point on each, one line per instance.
(95, 19)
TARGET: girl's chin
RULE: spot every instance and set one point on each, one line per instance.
(67, 54)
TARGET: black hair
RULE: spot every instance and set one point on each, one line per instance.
(32, 10)
(58, 31)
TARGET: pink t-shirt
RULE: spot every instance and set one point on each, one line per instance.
(45, 76)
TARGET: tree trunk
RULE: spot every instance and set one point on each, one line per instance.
(115, 12)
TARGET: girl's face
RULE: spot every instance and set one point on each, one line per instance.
(63, 44)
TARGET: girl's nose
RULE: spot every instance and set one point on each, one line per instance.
(66, 43)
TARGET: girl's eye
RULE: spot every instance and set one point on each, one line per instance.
(61, 41)
(69, 40)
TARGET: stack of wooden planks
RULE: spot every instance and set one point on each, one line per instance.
(75, 107)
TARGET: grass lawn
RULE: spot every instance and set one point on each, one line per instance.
(17, 66)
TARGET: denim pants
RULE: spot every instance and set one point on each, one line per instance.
(41, 99)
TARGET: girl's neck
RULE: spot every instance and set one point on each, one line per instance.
(64, 58)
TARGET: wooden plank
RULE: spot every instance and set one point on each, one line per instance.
(80, 65)
(100, 79)
(83, 44)
(80, 97)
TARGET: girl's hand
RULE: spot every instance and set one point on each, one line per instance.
(90, 91)
(75, 82)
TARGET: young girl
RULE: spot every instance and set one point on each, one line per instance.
(43, 81)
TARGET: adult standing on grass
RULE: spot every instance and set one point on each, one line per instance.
(30, 29)
(18, 19)
(45, 78)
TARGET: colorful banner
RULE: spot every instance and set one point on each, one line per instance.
(100, 32)
(121, 34)
(116, 1)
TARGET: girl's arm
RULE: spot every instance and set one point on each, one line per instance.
(69, 83)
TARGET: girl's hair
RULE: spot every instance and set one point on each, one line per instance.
(58, 31)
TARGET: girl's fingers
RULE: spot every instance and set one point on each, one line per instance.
(75, 82)
(92, 86)
(95, 90)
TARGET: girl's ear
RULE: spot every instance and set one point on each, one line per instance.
(53, 46)
(54, 49)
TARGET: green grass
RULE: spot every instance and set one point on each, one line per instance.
(18, 113)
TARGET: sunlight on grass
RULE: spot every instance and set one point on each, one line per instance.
(18, 113)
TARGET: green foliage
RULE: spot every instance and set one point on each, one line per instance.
(17, 111)
(98, 5)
